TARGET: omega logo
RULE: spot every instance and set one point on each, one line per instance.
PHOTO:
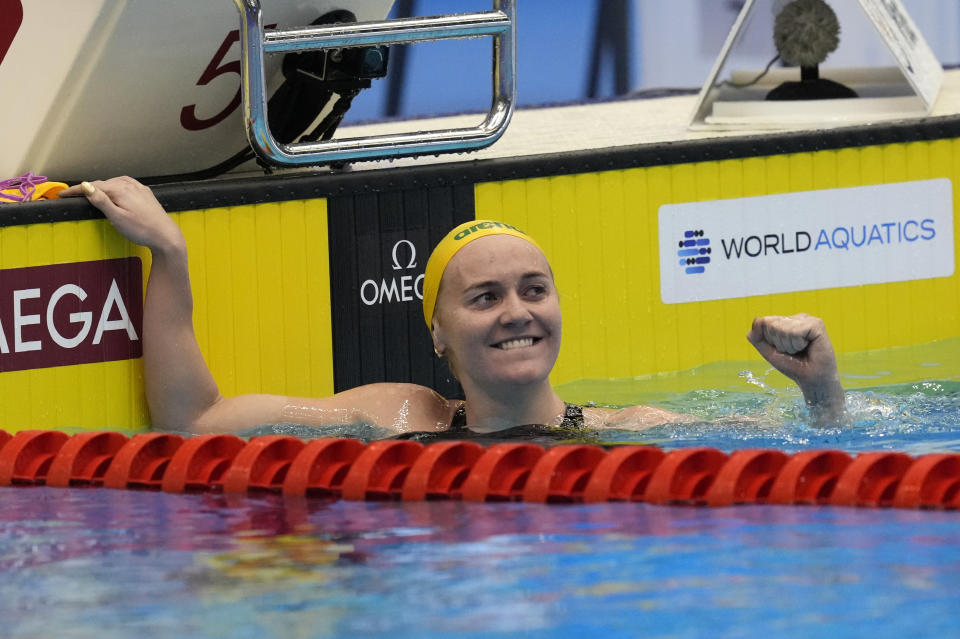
(413, 255)
(66, 314)
(405, 288)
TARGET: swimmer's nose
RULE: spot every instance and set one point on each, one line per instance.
(514, 310)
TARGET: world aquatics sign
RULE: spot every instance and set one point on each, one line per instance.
(804, 241)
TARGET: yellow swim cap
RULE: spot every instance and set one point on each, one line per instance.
(448, 247)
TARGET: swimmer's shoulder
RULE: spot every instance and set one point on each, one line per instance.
(631, 417)
(403, 406)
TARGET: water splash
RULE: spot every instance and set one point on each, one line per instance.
(750, 378)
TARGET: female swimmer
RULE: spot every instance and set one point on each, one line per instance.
(493, 312)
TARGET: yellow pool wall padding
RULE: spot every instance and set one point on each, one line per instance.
(260, 278)
(87, 395)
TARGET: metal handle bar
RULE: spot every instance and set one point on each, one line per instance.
(255, 43)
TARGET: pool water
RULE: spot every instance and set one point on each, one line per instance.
(916, 418)
(748, 405)
(106, 563)
(120, 563)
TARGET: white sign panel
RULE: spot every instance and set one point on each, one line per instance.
(725, 249)
(916, 59)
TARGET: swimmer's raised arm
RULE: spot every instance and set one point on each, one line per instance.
(179, 386)
(180, 389)
(799, 347)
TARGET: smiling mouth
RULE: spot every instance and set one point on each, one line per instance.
(521, 342)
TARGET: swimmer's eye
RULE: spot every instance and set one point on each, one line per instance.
(536, 291)
(486, 298)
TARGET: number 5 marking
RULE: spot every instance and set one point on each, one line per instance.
(188, 114)
(216, 67)
(11, 16)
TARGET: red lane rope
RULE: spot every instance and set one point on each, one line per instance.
(410, 471)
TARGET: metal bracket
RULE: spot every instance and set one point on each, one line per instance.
(500, 23)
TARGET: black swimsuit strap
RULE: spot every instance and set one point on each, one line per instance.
(572, 417)
(459, 420)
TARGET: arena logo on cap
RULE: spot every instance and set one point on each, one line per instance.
(483, 226)
(64, 314)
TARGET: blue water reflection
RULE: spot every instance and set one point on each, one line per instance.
(122, 563)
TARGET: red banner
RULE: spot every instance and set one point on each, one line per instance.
(11, 15)
(67, 314)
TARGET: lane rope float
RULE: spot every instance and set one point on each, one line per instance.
(463, 470)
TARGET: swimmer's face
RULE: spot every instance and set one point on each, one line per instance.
(497, 317)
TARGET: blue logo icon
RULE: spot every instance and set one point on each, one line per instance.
(694, 252)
